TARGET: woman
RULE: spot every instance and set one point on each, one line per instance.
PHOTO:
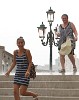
(67, 29)
(23, 63)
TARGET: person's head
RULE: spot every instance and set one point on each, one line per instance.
(64, 18)
(20, 42)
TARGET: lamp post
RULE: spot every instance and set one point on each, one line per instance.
(50, 34)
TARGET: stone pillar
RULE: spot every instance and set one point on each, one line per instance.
(1, 57)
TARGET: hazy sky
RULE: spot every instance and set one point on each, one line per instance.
(22, 17)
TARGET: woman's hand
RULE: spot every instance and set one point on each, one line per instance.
(7, 73)
(57, 33)
(27, 73)
(75, 38)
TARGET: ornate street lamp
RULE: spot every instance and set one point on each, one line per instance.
(50, 35)
(50, 15)
(41, 31)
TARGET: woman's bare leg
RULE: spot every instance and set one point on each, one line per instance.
(16, 92)
(72, 59)
(62, 61)
(24, 92)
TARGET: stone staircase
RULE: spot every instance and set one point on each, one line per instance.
(48, 87)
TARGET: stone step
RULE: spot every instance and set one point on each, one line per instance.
(45, 92)
(46, 78)
(12, 97)
(45, 84)
(40, 98)
(48, 87)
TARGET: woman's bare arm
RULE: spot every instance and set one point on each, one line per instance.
(13, 64)
(74, 31)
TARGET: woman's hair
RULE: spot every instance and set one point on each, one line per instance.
(21, 38)
(65, 15)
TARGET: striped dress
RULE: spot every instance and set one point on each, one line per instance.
(21, 67)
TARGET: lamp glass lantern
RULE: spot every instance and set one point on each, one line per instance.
(42, 30)
(50, 15)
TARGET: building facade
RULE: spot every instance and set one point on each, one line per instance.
(5, 59)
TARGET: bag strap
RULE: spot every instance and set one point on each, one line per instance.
(28, 54)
